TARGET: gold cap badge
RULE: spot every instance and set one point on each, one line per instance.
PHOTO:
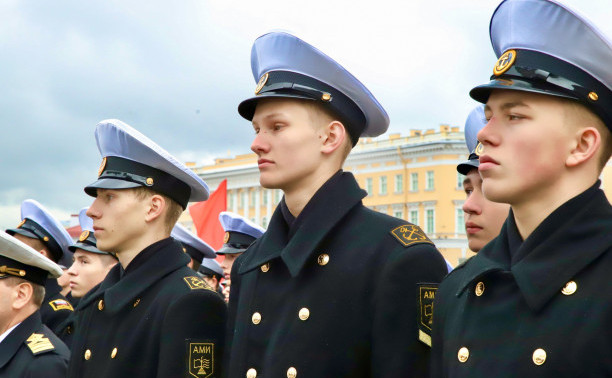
(504, 62)
(84, 235)
(479, 149)
(226, 237)
(260, 84)
(102, 166)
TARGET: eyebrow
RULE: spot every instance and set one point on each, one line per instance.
(508, 105)
(268, 116)
(467, 180)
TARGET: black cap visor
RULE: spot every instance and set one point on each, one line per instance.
(227, 249)
(109, 183)
(465, 167)
(481, 93)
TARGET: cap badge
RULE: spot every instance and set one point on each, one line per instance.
(102, 166)
(226, 237)
(84, 235)
(21, 223)
(504, 62)
(260, 84)
(479, 149)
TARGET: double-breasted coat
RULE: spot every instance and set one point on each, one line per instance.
(334, 295)
(535, 308)
(155, 319)
(32, 350)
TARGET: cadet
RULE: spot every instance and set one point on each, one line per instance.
(41, 231)
(483, 218)
(134, 323)
(193, 246)
(27, 347)
(535, 302)
(240, 233)
(89, 268)
(332, 288)
(212, 273)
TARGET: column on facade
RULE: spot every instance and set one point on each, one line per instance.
(257, 205)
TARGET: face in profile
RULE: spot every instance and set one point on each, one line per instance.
(483, 218)
(88, 269)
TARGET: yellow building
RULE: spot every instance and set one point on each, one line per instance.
(410, 177)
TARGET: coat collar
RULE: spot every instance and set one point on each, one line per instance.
(119, 291)
(339, 195)
(568, 240)
(18, 336)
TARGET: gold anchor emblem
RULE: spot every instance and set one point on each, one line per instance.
(504, 62)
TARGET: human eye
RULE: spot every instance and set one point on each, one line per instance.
(515, 117)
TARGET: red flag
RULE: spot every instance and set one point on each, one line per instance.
(205, 216)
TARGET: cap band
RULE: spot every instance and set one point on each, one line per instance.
(13, 268)
(118, 168)
(41, 234)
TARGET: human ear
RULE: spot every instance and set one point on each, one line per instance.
(156, 206)
(586, 144)
(22, 294)
(335, 134)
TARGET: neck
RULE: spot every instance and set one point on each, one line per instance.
(530, 213)
(18, 317)
(299, 195)
(128, 254)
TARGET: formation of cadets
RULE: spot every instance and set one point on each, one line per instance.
(332, 288)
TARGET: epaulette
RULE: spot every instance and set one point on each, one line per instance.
(409, 234)
(194, 283)
(61, 304)
(38, 343)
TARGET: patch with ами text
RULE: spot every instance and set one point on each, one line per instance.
(201, 358)
(426, 293)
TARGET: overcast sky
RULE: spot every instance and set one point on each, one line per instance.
(176, 71)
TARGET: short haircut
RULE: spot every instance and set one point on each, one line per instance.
(38, 291)
(582, 114)
(173, 209)
(321, 115)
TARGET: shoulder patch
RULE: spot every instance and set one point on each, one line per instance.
(60, 304)
(426, 292)
(409, 234)
(38, 343)
(201, 359)
(195, 283)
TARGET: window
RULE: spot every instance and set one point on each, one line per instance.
(253, 198)
(414, 182)
(264, 222)
(264, 193)
(460, 179)
(459, 221)
(398, 214)
(242, 199)
(369, 186)
(430, 221)
(277, 196)
(414, 216)
(430, 180)
(383, 185)
(231, 199)
(399, 184)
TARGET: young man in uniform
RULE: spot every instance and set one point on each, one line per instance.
(212, 273)
(89, 268)
(41, 231)
(152, 316)
(332, 288)
(196, 248)
(240, 233)
(28, 348)
(483, 218)
(535, 302)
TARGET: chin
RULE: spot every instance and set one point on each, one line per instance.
(475, 245)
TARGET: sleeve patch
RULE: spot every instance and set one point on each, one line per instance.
(195, 283)
(201, 359)
(38, 343)
(60, 304)
(409, 234)
(425, 303)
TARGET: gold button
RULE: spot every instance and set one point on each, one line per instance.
(569, 288)
(256, 318)
(304, 313)
(114, 353)
(101, 305)
(539, 356)
(136, 302)
(69, 330)
(593, 96)
(291, 372)
(463, 354)
(251, 373)
(265, 267)
(323, 259)
(87, 354)
(479, 288)
(149, 181)
(46, 238)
